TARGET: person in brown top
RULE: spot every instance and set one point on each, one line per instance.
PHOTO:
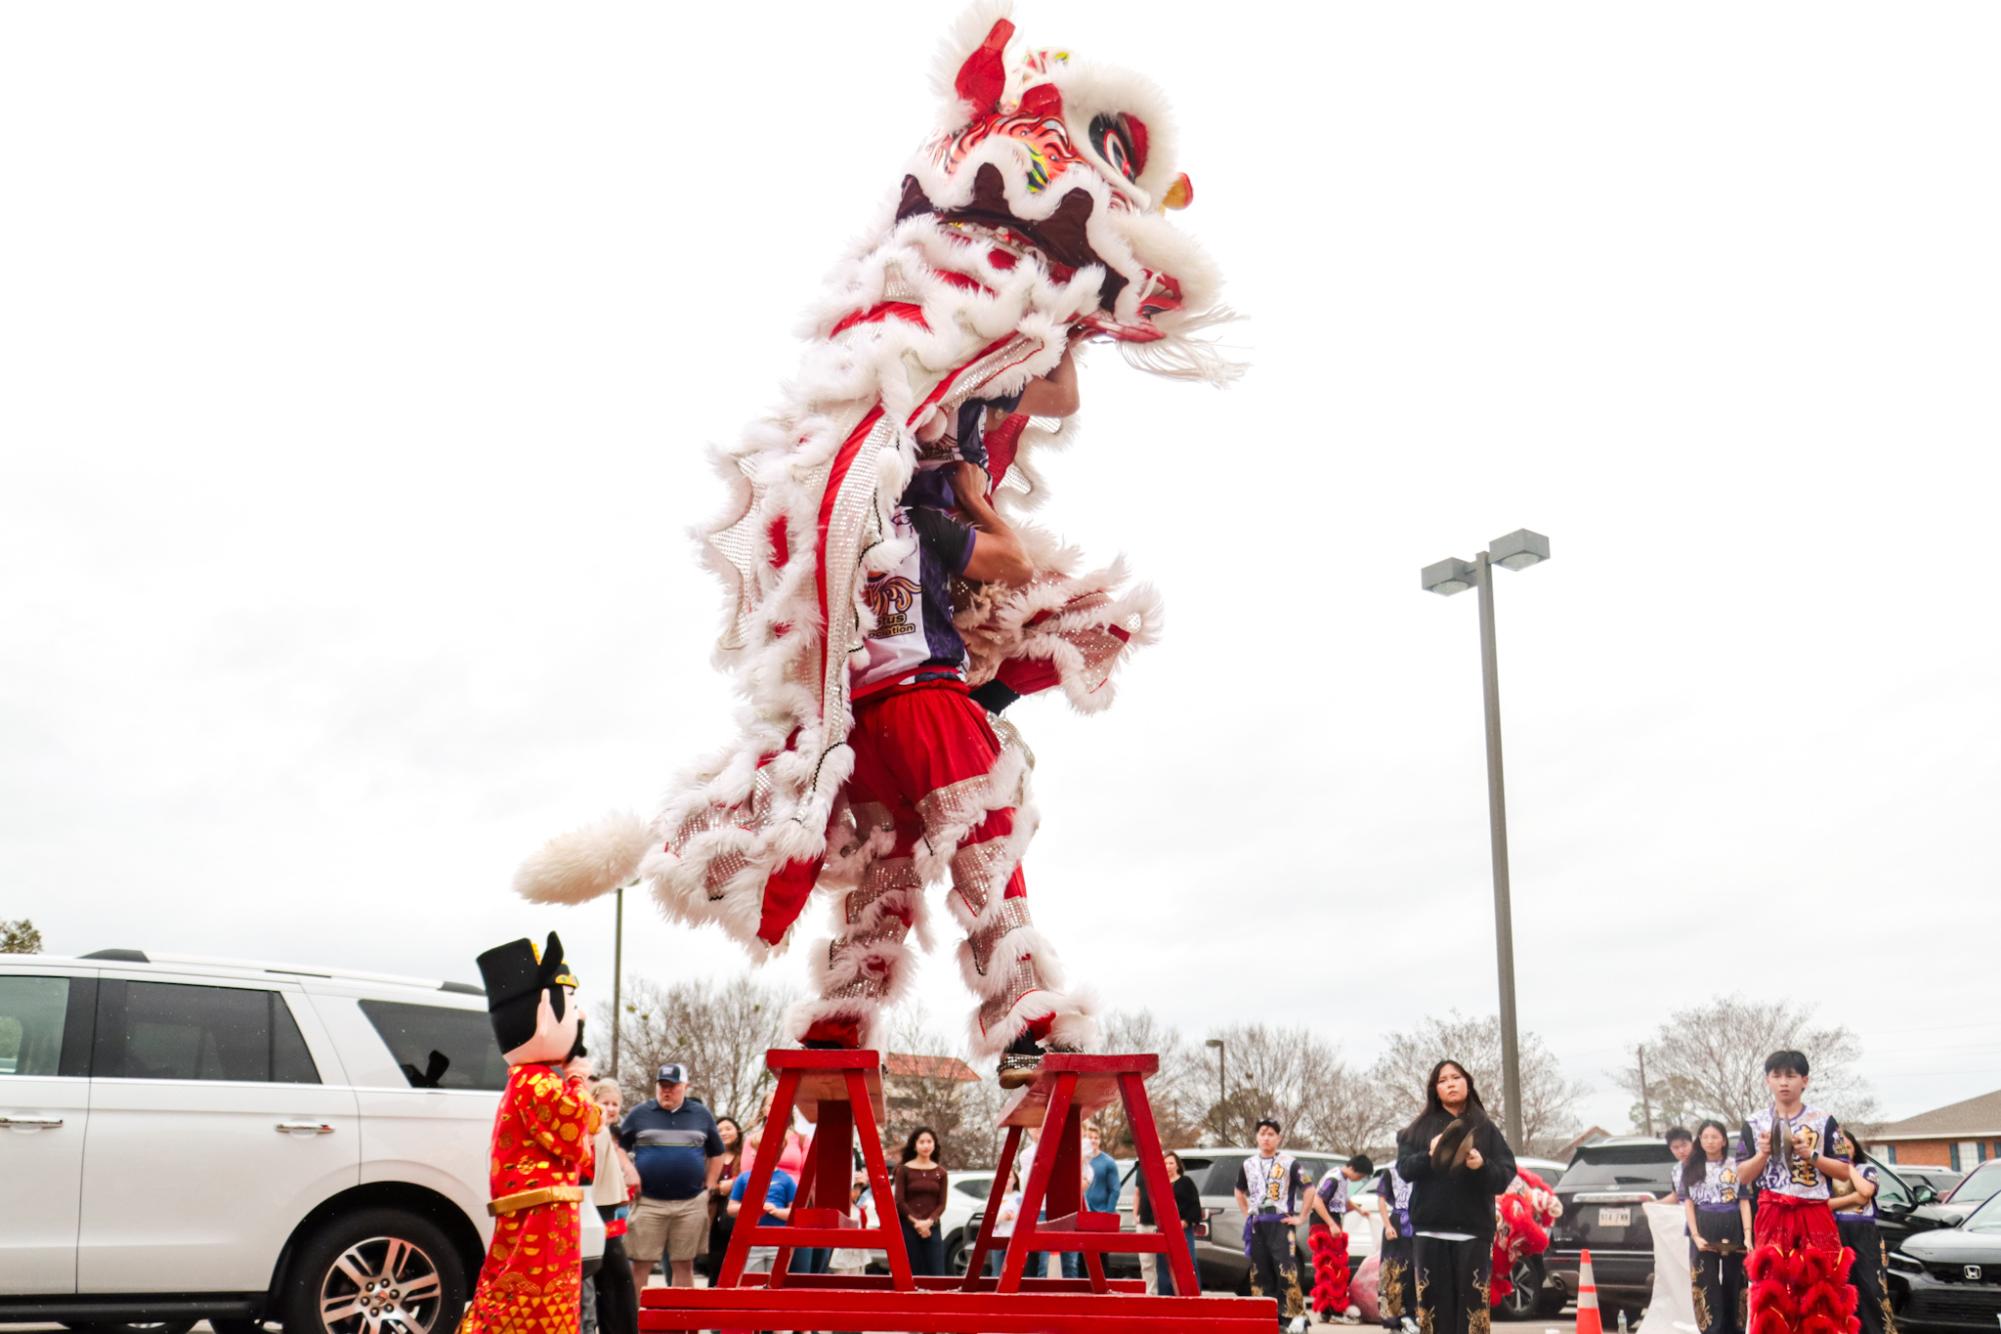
(920, 1201)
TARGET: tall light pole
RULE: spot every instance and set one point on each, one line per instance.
(1222, 1086)
(617, 974)
(1517, 551)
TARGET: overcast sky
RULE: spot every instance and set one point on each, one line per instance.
(358, 365)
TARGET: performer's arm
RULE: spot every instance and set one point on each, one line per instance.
(1752, 1155)
(1318, 1205)
(997, 556)
(1413, 1159)
(1744, 1214)
(1838, 1169)
(1694, 1232)
(1054, 394)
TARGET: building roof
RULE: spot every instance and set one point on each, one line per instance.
(1972, 1118)
(898, 1064)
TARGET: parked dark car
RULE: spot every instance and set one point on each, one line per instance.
(1903, 1206)
(1980, 1185)
(1950, 1277)
(1603, 1191)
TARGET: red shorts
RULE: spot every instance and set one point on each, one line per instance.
(919, 750)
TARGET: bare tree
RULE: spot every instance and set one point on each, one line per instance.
(1711, 1060)
(1182, 1094)
(720, 1033)
(1548, 1097)
(940, 1104)
(20, 937)
(1298, 1078)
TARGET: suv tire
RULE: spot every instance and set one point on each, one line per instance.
(389, 1245)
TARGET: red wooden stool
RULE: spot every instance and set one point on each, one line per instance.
(1069, 1089)
(841, 1093)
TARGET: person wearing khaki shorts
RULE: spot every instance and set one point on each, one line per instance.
(679, 1153)
(674, 1230)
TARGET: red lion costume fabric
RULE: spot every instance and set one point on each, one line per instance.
(1032, 216)
(1331, 1296)
(1524, 1212)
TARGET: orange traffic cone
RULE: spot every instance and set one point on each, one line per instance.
(1587, 1299)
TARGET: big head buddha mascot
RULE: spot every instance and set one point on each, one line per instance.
(541, 1143)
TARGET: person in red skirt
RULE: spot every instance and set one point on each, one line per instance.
(1798, 1268)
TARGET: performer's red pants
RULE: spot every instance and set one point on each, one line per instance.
(932, 780)
(1798, 1269)
(915, 746)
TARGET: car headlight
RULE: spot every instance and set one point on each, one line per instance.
(1904, 1264)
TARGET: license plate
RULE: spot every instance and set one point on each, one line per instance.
(1615, 1218)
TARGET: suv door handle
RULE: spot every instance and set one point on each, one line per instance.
(32, 1122)
(304, 1127)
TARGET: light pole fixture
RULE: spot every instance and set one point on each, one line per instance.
(1222, 1086)
(1517, 551)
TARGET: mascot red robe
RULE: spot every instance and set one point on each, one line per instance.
(532, 1279)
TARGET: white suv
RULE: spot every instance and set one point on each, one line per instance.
(184, 1139)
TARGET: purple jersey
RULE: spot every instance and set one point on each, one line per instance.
(1801, 1179)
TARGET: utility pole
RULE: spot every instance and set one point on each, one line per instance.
(1646, 1105)
(617, 973)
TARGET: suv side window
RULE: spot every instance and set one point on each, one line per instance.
(175, 1030)
(438, 1047)
(1226, 1174)
(32, 1013)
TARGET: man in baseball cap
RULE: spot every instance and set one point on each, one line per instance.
(674, 1144)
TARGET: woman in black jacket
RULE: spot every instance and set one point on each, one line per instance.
(1456, 1163)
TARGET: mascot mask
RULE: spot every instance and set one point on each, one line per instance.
(531, 997)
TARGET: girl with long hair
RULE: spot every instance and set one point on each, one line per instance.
(721, 1222)
(1719, 1221)
(1187, 1213)
(1456, 1162)
(1855, 1214)
(920, 1201)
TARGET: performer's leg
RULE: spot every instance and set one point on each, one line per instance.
(1392, 1280)
(970, 793)
(1705, 1291)
(1476, 1279)
(860, 973)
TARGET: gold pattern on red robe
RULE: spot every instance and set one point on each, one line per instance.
(542, 1138)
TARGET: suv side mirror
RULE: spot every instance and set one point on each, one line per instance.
(1921, 1193)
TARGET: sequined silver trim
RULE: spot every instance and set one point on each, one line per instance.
(885, 875)
(1011, 915)
(1021, 981)
(853, 525)
(957, 804)
(976, 377)
(980, 872)
(872, 977)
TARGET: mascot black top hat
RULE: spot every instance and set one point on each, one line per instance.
(530, 996)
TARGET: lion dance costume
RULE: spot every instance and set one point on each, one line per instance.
(1524, 1214)
(863, 763)
(1798, 1268)
(532, 1279)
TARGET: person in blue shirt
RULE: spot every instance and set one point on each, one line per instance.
(679, 1155)
(777, 1206)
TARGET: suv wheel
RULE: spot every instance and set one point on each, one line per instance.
(1521, 1303)
(372, 1271)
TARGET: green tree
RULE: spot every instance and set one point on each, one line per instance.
(20, 937)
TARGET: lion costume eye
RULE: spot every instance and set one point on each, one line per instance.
(1113, 139)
